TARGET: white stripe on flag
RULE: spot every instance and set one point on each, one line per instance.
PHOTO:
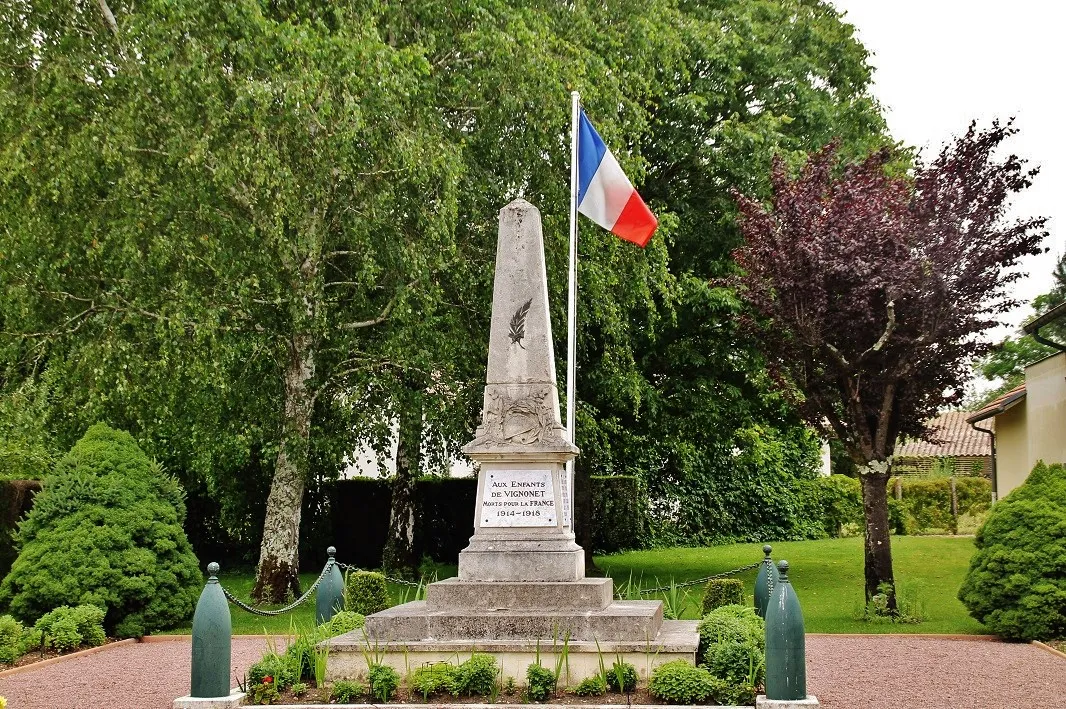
(607, 194)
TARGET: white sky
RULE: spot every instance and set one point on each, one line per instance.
(941, 63)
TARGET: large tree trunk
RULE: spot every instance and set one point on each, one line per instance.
(279, 561)
(399, 555)
(878, 550)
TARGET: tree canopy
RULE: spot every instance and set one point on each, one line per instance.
(872, 287)
(255, 234)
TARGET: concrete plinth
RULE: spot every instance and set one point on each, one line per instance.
(585, 594)
(621, 620)
(234, 699)
(676, 640)
(761, 702)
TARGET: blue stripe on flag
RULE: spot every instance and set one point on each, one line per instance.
(590, 151)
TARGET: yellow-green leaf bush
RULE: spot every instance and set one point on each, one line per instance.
(106, 529)
(1016, 584)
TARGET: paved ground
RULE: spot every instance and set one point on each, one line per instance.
(846, 672)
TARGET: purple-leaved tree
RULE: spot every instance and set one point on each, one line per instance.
(872, 289)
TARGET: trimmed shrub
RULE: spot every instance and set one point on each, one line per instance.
(106, 530)
(10, 637)
(66, 628)
(477, 676)
(622, 677)
(341, 623)
(736, 663)
(594, 686)
(383, 681)
(366, 592)
(1016, 585)
(722, 592)
(438, 678)
(731, 624)
(540, 682)
(678, 682)
(346, 691)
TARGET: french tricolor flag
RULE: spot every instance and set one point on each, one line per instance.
(605, 194)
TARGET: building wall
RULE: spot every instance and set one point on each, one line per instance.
(1012, 450)
(1045, 405)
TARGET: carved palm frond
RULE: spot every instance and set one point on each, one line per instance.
(518, 323)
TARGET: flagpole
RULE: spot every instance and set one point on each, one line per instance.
(571, 305)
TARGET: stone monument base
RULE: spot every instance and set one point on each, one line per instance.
(675, 640)
(811, 702)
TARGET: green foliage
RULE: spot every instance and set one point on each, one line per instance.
(837, 502)
(621, 516)
(366, 592)
(910, 606)
(383, 681)
(346, 691)
(594, 686)
(1016, 584)
(722, 592)
(263, 693)
(678, 682)
(622, 677)
(299, 689)
(477, 675)
(65, 628)
(741, 694)
(438, 678)
(281, 668)
(736, 663)
(10, 637)
(106, 530)
(731, 624)
(342, 622)
(540, 682)
(926, 504)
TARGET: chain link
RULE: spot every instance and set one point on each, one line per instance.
(259, 611)
(402, 582)
(705, 579)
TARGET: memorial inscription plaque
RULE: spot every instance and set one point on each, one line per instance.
(518, 498)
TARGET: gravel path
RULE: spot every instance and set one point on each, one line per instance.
(845, 672)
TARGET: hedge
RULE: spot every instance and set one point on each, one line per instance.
(620, 513)
(16, 500)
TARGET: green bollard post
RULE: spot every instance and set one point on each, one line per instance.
(786, 668)
(211, 631)
(330, 595)
(765, 582)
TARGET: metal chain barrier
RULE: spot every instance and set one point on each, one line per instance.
(402, 582)
(705, 579)
(259, 611)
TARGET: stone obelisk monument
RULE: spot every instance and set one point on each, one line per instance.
(521, 584)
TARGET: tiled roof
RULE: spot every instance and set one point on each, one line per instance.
(999, 405)
(953, 436)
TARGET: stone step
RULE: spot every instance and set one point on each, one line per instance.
(583, 595)
(622, 620)
(676, 640)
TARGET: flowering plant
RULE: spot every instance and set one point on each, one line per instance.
(266, 680)
(3, 703)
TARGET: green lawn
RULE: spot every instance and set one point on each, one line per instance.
(827, 576)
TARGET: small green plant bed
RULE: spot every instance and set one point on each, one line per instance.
(826, 574)
(61, 631)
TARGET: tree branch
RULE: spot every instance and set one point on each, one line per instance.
(889, 328)
(109, 17)
(385, 312)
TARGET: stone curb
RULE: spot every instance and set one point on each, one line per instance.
(188, 638)
(61, 658)
(1050, 649)
(508, 706)
(932, 636)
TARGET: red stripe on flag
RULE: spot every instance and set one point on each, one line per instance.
(636, 223)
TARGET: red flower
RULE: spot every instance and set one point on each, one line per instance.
(268, 679)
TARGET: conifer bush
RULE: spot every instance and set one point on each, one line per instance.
(1016, 584)
(106, 530)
